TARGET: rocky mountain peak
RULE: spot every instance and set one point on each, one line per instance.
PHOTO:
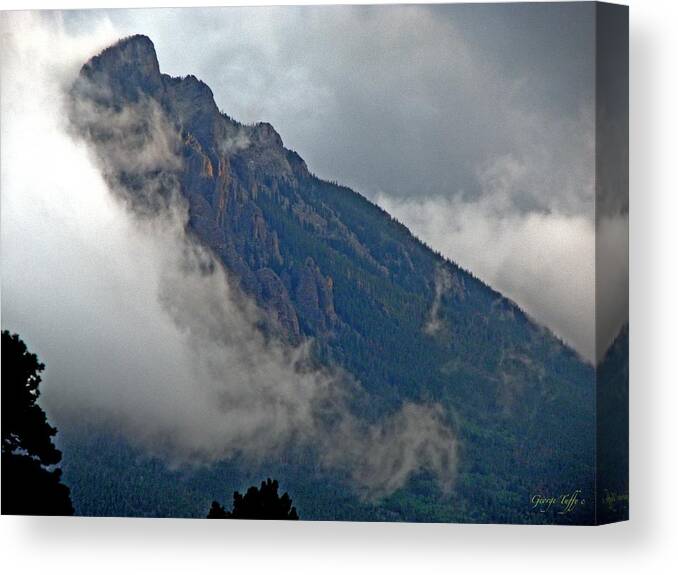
(126, 68)
(133, 52)
(265, 134)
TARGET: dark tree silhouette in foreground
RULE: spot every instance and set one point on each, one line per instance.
(262, 503)
(29, 486)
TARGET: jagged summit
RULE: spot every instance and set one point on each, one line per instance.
(129, 70)
(132, 61)
(136, 50)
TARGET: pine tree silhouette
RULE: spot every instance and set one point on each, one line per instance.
(30, 484)
(262, 503)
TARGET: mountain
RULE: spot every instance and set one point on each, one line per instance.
(612, 415)
(327, 264)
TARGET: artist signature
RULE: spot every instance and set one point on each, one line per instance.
(612, 498)
(562, 504)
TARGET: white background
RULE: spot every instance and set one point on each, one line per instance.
(648, 543)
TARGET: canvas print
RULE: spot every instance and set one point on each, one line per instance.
(357, 263)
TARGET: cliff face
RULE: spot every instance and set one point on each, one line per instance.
(326, 263)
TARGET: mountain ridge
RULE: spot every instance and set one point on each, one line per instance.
(137, 52)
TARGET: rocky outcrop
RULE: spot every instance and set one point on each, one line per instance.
(313, 295)
(278, 302)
